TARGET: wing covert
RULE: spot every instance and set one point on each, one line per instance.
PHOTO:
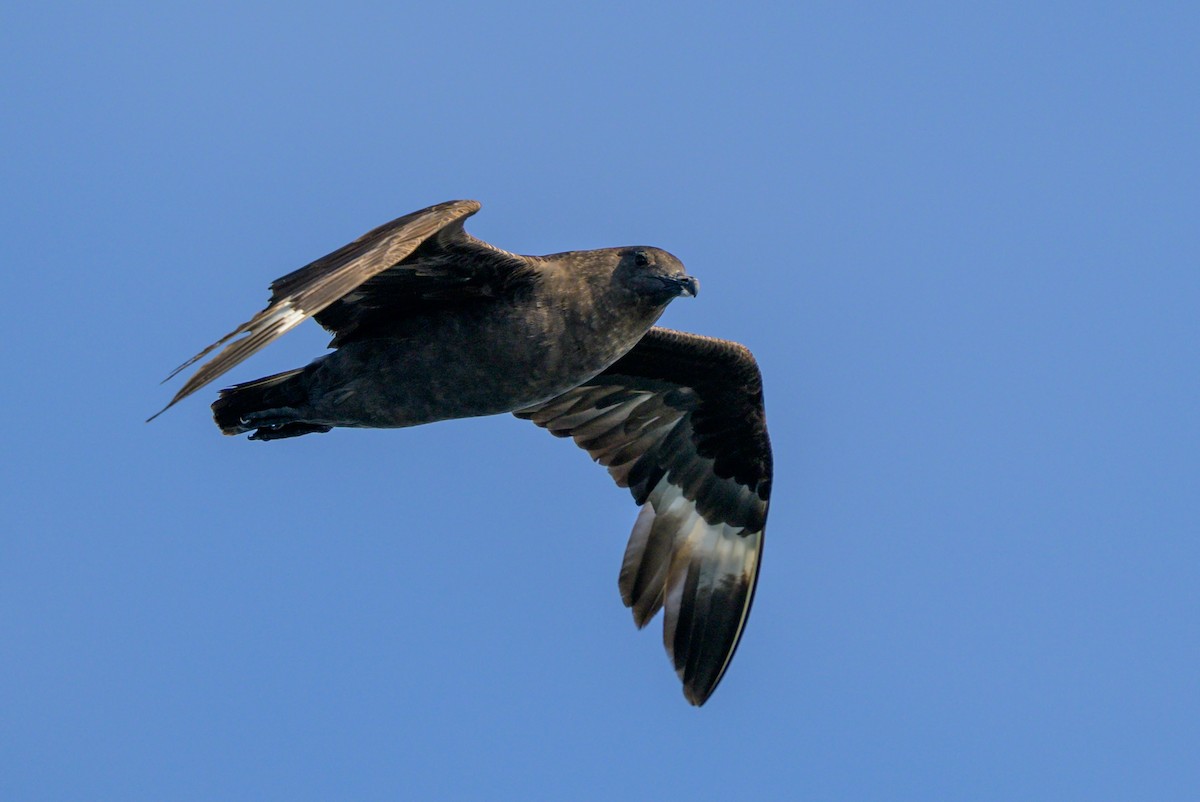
(306, 292)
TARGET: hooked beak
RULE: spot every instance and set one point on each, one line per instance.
(688, 285)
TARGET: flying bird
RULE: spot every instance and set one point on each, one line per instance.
(431, 324)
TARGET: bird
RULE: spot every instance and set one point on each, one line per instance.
(430, 323)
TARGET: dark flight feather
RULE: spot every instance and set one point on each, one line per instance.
(680, 421)
(309, 290)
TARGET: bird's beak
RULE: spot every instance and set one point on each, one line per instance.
(688, 285)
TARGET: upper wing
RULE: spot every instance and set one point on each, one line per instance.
(679, 420)
(318, 289)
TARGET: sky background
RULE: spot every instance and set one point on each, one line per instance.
(961, 239)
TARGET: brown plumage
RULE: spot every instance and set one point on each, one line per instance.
(430, 324)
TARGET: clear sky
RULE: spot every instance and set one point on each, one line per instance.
(961, 239)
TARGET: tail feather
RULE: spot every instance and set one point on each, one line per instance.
(267, 393)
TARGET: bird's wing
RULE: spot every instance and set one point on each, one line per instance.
(321, 289)
(446, 270)
(679, 420)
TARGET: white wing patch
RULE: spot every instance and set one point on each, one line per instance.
(702, 574)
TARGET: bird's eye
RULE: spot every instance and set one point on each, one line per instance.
(641, 259)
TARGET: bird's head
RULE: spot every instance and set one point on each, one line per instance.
(654, 275)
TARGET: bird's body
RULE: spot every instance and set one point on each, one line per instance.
(428, 365)
(431, 324)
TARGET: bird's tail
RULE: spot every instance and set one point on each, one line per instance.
(234, 403)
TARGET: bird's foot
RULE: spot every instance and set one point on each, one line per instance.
(278, 423)
(290, 430)
(274, 418)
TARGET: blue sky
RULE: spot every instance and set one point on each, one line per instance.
(960, 238)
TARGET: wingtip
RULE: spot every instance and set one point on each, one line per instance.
(695, 697)
(178, 370)
(179, 396)
(641, 618)
(161, 411)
